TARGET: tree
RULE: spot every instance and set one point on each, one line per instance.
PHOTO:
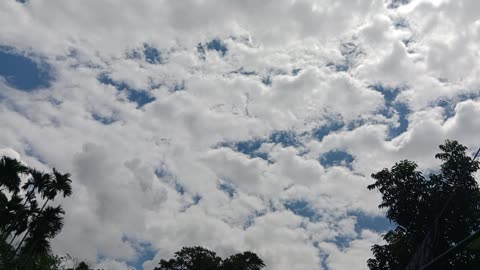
(199, 258)
(45, 226)
(60, 183)
(36, 183)
(20, 214)
(431, 213)
(243, 261)
(82, 266)
(10, 171)
(192, 258)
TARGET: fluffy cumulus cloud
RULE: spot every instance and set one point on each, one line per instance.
(235, 125)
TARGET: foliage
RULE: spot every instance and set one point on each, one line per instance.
(82, 266)
(243, 261)
(199, 258)
(20, 215)
(413, 202)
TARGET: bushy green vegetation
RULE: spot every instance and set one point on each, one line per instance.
(432, 213)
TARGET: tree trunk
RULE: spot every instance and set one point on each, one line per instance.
(25, 236)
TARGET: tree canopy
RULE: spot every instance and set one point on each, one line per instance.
(26, 228)
(431, 213)
(199, 258)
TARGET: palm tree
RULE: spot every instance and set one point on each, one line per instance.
(47, 225)
(61, 183)
(22, 221)
(9, 210)
(10, 171)
(37, 182)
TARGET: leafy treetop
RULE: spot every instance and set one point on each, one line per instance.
(445, 206)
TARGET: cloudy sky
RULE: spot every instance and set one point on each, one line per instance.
(233, 124)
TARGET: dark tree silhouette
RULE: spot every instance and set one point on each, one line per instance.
(82, 266)
(45, 226)
(192, 258)
(37, 183)
(199, 258)
(10, 171)
(431, 213)
(20, 215)
(243, 261)
(60, 183)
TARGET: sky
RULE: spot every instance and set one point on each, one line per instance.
(235, 125)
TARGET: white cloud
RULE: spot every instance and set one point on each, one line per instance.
(151, 173)
(355, 254)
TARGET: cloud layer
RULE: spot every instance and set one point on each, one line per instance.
(235, 125)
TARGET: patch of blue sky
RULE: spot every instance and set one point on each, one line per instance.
(322, 131)
(103, 119)
(302, 208)
(364, 222)
(448, 105)
(378, 224)
(24, 72)
(324, 261)
(285, 138)
(393, 107)
(398, 3)
(166, 176)
(212, 45)
(105, 79)
(252, 147)
(228, 188)
(338, 67)
(296, 71)
(141, 97)
(403, 111)
(179, 188)
(244, 72)
(355, 124)
(336, 158)
(217, 45)
(145, 252)
(152, 55)
(374, 223)
(148, 54)
(196, 199)
(162, 172)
